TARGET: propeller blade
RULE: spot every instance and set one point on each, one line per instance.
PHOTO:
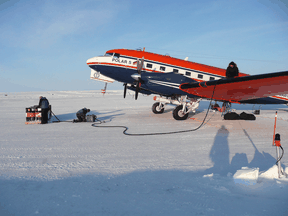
(136, 95)
(137, 90)
(140, 65)
(125, 89)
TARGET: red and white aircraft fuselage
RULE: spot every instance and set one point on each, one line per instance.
(149, 73)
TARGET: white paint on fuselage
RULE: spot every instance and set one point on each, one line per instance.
(157, 67)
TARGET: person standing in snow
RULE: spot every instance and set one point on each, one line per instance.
(81, 115)
(232, 70)
(44, 105)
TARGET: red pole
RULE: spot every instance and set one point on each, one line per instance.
(273, 143)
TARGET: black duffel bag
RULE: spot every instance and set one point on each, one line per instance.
(231, 116)
(247, 116)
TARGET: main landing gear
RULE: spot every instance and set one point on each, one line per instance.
(184, 106)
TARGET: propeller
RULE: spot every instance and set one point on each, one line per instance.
(138, 76)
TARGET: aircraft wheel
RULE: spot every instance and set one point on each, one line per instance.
(178, 114)
(157, 109)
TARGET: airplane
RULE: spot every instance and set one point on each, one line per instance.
(185, 83)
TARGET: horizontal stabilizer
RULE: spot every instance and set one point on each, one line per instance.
(95, 75)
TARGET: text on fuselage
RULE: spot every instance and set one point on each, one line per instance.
(123, 61)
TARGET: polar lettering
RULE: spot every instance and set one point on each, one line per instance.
(123, 61)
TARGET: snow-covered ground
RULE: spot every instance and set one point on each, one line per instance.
(76, 169)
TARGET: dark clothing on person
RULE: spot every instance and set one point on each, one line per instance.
(232, 70)
(81, 114)
(44, 114)
(44, 105)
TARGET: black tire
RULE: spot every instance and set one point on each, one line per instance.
(156, 108)
(178, 114)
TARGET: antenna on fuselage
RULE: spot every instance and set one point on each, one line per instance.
(140, 49)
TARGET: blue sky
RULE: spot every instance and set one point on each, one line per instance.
(45, 44)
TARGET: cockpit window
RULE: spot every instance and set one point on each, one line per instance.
(116, 55)
(108, 54)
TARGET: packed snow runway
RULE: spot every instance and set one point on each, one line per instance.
(75, 169)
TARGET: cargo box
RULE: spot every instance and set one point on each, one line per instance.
(91, 118)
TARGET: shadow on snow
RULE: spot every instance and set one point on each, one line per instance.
(164, 192)
(219, 155)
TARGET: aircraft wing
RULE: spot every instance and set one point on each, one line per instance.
(240, 88)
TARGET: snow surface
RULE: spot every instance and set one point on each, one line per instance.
(76, 169)
(246, 176)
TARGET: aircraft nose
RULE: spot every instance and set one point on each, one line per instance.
(92, 60)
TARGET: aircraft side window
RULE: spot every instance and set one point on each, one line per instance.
(149, 65)
(188, 73)
(212, 78)
(116, 55)
(162, 68)
(200, 76)
(175, 71)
